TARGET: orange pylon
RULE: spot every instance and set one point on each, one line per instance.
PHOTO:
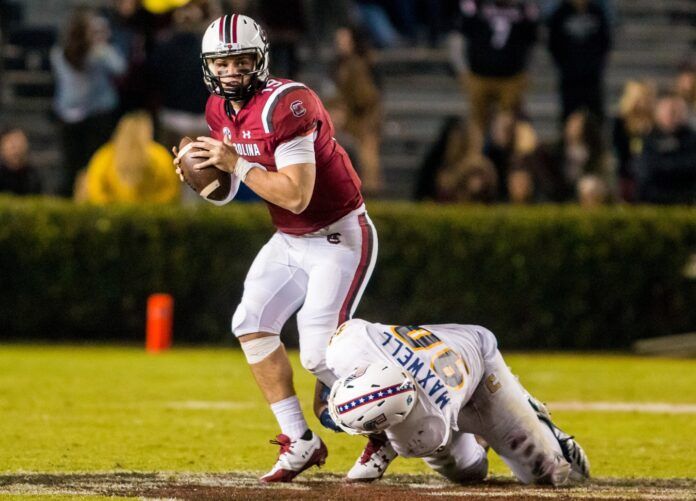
(160, 316)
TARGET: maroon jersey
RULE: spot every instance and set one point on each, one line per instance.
(280, 112)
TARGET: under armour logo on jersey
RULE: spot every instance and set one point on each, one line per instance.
(334, 238)
(246, 134)
(297, 108)
(227, 132)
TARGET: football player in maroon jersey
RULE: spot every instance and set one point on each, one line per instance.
(275, 136)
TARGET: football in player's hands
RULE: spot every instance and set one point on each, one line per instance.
(209, 182)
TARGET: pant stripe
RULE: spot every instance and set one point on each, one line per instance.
(363, 272)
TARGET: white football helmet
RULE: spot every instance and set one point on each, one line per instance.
(372, 398)
(230, 36)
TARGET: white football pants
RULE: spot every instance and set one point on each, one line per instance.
(324, 272)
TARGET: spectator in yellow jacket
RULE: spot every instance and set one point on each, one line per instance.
(132, 167)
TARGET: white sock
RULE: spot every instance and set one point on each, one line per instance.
(290, 418)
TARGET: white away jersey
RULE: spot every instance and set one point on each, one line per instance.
(446, 361)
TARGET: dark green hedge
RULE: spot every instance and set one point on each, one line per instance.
(539, 277)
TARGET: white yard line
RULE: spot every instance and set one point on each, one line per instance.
(573, 405)
(210, 405)
(644, 407)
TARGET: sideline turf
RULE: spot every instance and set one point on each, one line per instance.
(66, 409)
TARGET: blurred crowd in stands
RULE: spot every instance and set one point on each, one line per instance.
(127, 80)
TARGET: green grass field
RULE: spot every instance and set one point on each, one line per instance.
(117, 423)
(113, 409)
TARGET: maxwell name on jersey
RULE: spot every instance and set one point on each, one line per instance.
(395, 343)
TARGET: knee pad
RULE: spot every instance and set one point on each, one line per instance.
(239, 320)
(311, 359)
(464, 461)
(454, 472)
(250, 317)
(258, 349)
(314, 360)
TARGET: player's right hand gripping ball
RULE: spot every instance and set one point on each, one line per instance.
(209, 182)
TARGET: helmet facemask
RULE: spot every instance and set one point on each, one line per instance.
(229, 36)
(238, 92)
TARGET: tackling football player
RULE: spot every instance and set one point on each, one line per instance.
(275, 136)
(433, 389)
